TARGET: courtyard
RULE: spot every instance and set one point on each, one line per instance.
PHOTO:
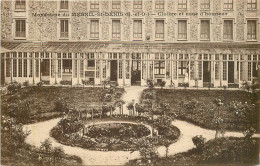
(113, 125)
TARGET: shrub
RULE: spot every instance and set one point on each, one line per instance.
(150, 84)
(40, 83)
(162, 84)
(246, 86)
(65, 82)
(198, 141)
(60, 105)
(26, 83)
(13, 87)
(249, 133)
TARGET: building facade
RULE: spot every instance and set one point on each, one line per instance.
(192, 42)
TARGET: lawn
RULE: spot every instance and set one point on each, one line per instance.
(43, 99)
(221, 151)
(198, 107)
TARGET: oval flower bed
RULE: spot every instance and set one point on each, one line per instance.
(119, 136)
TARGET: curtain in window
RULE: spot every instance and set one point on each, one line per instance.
(94, 29)
(228, 29)
(116, 29)
(137, 29)
(64, 29)
(159, 29)
(182, 29)
(205, 29)
(251, 29)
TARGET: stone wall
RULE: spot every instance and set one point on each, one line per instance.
(47, 28)
(6, 20)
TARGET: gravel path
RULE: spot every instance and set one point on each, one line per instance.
(41, 131)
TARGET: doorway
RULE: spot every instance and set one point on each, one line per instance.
(136, 73)
(113, 70)
(206, 72)
(231, 72)
(45, 67)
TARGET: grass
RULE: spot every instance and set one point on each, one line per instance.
(203, 113)
(44, 99)
(219, 151)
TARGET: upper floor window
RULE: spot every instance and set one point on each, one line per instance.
(116, 29)
(137, 4)
(64, 4)
(204, 4)
(137, 29)
(159, 29)
(159, 4)
(20, 28)
(228, 30)
(94, 29)
(205, 30)
(251, 29)
(182, 29)
(182, 4)
(94, 5)
(64, 28)
(20, 4)
(228, 4)
(116, 4)
(251, 4)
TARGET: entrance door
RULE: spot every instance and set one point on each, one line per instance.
(136, 73)
(206, 71)
(230, 72)
(113, 70)
(45, 67)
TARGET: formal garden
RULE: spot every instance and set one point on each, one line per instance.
(98, 119)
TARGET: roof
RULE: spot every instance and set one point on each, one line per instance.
(124, 47)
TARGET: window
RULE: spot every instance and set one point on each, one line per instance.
(91, 62)
(159, 4)
(137, 4)
(159, 29)
(64, 28)
(251, 29)
(182, 4)
(204, 4)
(120, 66)
(116, 4)
(182, 29)
(67, 65)
(94, 29)
(20, 28)
(159, 67)
(116, 29)
(224, 71)
(25, 65)
(228, 4)
(137, 29)
(20, 4)
(97, 69)
(205, 30)
(94, 5)
(228, 30)
(64, 4)
(251, 4)
(183, 65)
(14, 65)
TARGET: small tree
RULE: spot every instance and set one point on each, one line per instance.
(57, 154)
(167, 144)
(26, 83)
(130, 107)
(13, 87)
(198, 141)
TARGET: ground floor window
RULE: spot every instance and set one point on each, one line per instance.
(8, 65)
(25, 67)
(67, 66)
(37, 68)
(217, 71)
(224, 71)
(159, 67)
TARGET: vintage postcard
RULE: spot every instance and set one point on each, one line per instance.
(130, 82)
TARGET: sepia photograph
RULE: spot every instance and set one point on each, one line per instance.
(130, 82)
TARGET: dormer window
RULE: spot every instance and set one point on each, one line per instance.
(64, 4)
(20, 4)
